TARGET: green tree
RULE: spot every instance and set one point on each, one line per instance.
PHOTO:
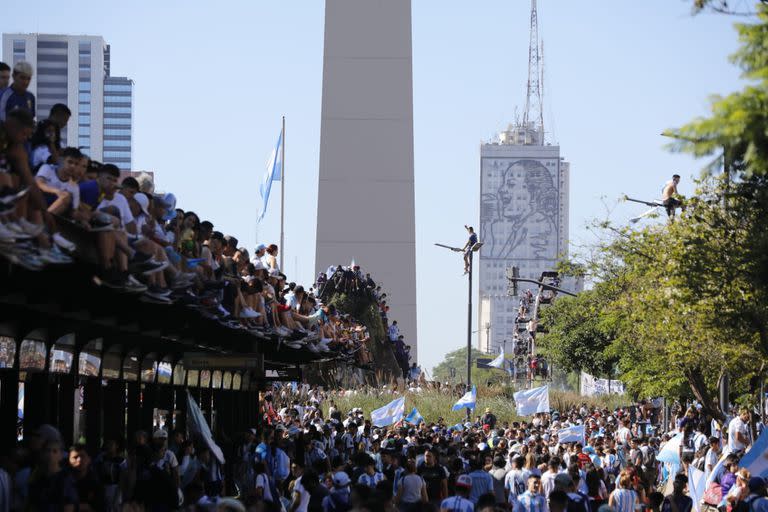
(458, 360)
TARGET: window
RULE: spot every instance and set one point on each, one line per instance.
(117, 110)
(84, 97)
(117, 154)
(85, 108)
(84, 141)
(84, 130)
(117, 121)
(117, 88)
(7, 351)
(84, 119)
(32, 355)
(118, 132)
(85, 47)
(85, 87)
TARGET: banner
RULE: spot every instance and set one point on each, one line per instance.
(591, 386)
(467, 401)
(529, 402)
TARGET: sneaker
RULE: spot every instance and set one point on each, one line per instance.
(17, 230)
(158, 290)
(249, 313)
(30, 228)
(133, 285)
(110, 279)
(159, 298)
(101, 222)
(63, 243)
(27, 260)
(147, 267)
(54, 256)
(6, 235)
(9, 196)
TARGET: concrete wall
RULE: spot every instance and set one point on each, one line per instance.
(366, 188)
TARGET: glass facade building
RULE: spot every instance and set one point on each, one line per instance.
(75, 71)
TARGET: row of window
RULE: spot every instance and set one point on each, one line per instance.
(117, 87)
(117, 154)
(117, 110)
(119, 132)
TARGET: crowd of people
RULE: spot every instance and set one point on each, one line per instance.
(310, 456)
(57, 206)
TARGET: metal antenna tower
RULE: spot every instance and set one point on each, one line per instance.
(533, 117)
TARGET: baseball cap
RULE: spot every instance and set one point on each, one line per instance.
(464, 481)
(340, 479)
(563, 481)
(261, 247)
(143, 201)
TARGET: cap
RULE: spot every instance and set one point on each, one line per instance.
(159, 434)
(464, 481)
(261, 247)
(340, 479)
(143, 201)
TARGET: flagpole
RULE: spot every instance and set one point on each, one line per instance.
(282, 199)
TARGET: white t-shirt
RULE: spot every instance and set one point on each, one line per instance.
(263, 481)
(736, 425)
(121, 203)
(303, 494)
(47, 174)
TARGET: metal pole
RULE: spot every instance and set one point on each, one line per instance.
(282, 198)
(469, 327)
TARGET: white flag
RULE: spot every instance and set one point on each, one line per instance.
(529, 402)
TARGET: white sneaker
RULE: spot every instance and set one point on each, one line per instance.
(30, 228)
(6, 235)
(17, 230)
(249, 313)
(62, 242)
(54, 256)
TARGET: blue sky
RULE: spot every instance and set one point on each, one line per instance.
(214, 78)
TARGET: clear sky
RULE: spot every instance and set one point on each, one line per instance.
(214, 78)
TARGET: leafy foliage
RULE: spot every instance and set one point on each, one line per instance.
(458, 360)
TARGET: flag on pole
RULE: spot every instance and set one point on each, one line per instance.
(414, 417)
(499, 362)
(389, 414)
(467, 401)
(697, 484)
(531, 401)
(572, 434)
(274, 172)
(670, 452)
(199, 427)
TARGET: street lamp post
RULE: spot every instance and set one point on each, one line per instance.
(476, 247)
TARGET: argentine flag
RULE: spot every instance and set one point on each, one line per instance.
(529, 402)
(274, 173)
(414, 417)
(670, 452)
(389, 414)
(467, 401)
(572, 434)
(499, 362)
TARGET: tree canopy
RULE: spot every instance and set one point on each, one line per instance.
(675, 305)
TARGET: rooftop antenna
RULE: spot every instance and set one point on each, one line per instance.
(534, 111)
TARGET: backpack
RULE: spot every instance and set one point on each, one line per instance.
(649, 458)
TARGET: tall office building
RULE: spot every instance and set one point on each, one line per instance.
(75, 70)
(365, 192)
(523, 223)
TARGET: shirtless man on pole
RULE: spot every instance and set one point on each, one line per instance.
(467, 249)
(668, 196)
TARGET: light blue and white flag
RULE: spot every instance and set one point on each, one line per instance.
(670, 452)
(468, 401)
(531, 401)
(697, 484)
(756, 459)
(389, 414)
(458, 427)
(274, 172)
(414, 417)
(499, 362)
(572, 434)
(198, 427)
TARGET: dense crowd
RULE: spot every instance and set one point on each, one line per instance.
(310, 456)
